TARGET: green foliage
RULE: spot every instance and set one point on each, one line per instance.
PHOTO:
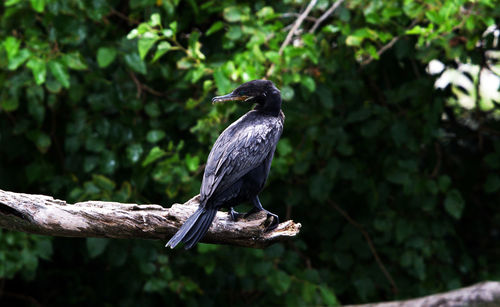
(111, 100)
(19, 252)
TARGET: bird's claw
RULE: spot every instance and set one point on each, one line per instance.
(234, 214)
(273, 224)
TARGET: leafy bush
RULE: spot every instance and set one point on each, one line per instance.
(110, 100)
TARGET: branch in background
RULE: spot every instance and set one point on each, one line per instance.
(290, 34)
(288, 15)
(326, 15)
(143, 87)
(296, 25)
(40, 214)
(370, 244)
(123, 16)
(485, 294)
(389, 45)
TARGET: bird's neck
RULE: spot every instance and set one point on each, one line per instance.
(271, 106)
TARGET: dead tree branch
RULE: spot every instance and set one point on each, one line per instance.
(325, 15)
(290, 34)
(40, 214)
(484, 294)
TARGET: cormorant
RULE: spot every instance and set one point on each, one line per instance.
(239, 161)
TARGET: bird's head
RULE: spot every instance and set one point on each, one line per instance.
(256, 91)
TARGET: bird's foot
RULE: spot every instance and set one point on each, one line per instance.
(235, 215)
(273, 224)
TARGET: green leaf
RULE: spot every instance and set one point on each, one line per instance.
(399, 132)
(234, 33)
(192, 163)
(11, 45)
(308, 293)
(53, 86)
(365, 287)
(184, 63)
(96, 246)
(155, 136)
(454, 204)
(38, 5)
(74, 61)
(105, 56)
(135, 62)
(284, 147)
(281, 281)
(43, 247)
(9, 104)
(38, 68)
(215, 27)
(42, 141)
(330, 29)
(167, 33)
(325, 97)
(154, 154)
(492, 183)
(133, 34)
(162, 48)
(221, 81)
(353, 41)
(399, 177)
(18, 59)
(60, 72)
(103, 182)
(328, 296)
(155, 20)
(444, 183)
(309, 83)
(287, 93)
(195, 46)
(36, 109)
(89, 163)
(152, 110)
(266, 12)
(173, 26)
(155, 285)
(134, 152)
(232, 14)
(144, 44)
(11, 2)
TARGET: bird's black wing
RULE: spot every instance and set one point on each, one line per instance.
(239, 149)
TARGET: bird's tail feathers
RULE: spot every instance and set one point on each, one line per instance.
(195, 227)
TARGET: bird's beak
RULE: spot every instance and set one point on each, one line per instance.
(231, 97)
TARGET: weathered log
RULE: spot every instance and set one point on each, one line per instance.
(45, 215)
(484, 294)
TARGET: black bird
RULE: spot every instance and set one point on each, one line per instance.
(239, 161)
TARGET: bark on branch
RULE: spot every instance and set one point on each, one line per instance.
(484, 294)
(45, 215)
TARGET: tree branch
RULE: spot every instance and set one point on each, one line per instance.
(45, 215)
(290, 34)
(325, 15)
(370, 244)
(389, 45)
(484, 294)
(296, 25)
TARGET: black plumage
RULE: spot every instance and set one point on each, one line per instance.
(239, 162)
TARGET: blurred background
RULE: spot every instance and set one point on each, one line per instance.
(390, 155)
